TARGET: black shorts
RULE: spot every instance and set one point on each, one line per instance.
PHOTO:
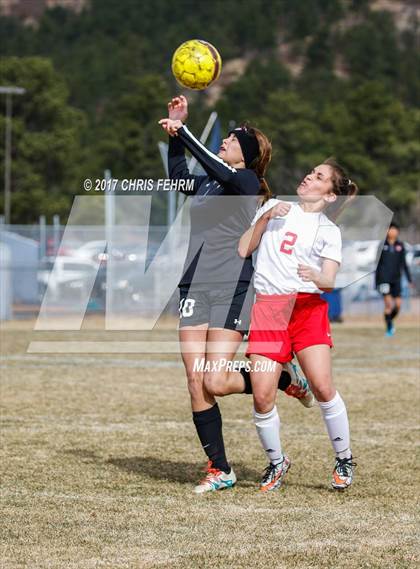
(394, 289)
(221, 307)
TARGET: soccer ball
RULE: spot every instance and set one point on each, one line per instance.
(196, 64)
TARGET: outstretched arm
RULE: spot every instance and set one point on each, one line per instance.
(212, 164)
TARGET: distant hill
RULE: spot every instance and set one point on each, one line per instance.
(30, 11)
(320, 77)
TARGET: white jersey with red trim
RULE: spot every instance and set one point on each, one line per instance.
(288, 241)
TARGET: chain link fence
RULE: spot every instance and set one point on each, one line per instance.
(72, 265)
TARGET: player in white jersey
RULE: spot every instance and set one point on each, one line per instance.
(299, 254)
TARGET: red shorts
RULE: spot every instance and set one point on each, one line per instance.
(282, 324)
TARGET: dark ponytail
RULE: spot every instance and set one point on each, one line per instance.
(343, 186)
(265, 191)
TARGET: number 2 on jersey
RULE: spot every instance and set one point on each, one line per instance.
(287, 244)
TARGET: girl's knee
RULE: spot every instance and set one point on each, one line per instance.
(215, 383)
(324, 393)
(263, 402)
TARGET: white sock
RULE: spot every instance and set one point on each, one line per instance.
(337, 423)
(268, 429)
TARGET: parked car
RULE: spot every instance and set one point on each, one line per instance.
(122, 287)
(127, 280)
(64, 276)
(356, 274)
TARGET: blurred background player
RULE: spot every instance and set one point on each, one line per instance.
(391, 264)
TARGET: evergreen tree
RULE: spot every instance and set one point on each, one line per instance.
(46, 140)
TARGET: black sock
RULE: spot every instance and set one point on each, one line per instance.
(209, 429)
(394, 312)
(388, 321)
(247, 378)
(284, 380)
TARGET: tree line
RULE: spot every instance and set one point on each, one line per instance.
(98, 81)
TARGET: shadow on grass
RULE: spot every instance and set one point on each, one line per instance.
(158, 469)
(182, 472)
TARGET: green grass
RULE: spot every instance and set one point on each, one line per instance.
(100, 457)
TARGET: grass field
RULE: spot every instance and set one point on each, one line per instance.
(100, 458)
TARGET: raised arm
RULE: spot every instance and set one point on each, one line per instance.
(212, 164)
(177, 165)
(182, 137)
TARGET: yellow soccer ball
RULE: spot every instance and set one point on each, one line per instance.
(196, 64)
